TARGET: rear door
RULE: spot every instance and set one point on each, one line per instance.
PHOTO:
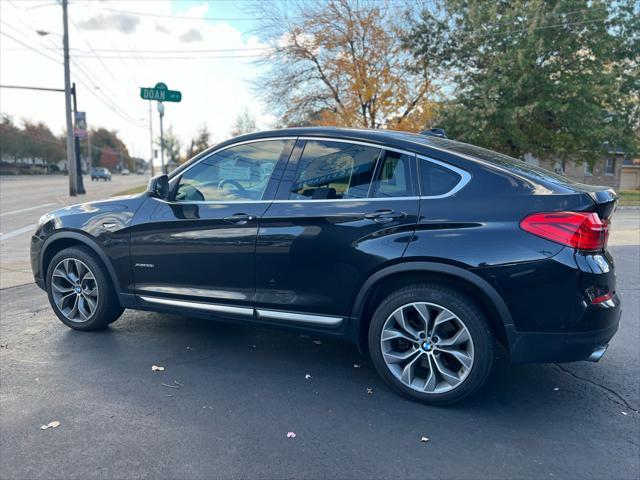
(198, 249)
(342, 210)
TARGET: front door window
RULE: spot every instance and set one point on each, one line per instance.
(239, 173)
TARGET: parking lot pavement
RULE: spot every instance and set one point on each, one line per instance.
(240, 390)
(24, 198)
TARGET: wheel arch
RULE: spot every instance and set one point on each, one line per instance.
(61, 240)
(383, 282)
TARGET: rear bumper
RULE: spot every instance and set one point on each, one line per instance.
(566, 347)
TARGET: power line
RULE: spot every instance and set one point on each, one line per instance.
(106, 103)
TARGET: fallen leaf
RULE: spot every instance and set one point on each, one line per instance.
(369, 390)
(53, 424)
(317, 342)
(156, 368)
(624, 413)
(291, 435)
(424, 439)
(307, 376)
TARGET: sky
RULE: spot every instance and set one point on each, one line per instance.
(203, 49)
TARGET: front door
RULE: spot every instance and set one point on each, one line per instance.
(342, 210)
(198, 249)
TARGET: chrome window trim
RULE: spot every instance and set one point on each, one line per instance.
(465, 177)
(326, 320)
(359, 142)
(211, 307)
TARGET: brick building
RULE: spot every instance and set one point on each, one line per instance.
(613, 170)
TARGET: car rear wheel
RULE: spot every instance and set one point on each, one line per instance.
(80, 292)
(431, 343)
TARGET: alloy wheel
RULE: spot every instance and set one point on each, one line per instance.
(74, 290)
(427, 347)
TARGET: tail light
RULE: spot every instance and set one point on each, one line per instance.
(580, 230)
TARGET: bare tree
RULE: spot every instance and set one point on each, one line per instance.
(343, 62)
(244, 123)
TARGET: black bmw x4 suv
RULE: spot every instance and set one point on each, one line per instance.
(423, 251)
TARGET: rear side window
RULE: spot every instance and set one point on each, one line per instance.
(436, 179)
(394, 177)
(334, 170)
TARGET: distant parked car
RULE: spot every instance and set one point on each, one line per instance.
(100, 173)
(140, 171)
(125, 172)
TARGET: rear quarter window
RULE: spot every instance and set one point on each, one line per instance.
(436, 180)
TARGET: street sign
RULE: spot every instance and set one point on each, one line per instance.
(80, 129)
(160, 93)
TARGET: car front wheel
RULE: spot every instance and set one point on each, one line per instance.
(80, 292)
(431, 343)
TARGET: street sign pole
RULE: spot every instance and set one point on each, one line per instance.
(161, 112)
(160, 93)
(151, 139)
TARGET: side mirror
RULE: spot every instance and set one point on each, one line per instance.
(159, 187)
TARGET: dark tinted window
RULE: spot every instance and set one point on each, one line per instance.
(394, 177)
(335, 170)
(235, 174)
(436, 179)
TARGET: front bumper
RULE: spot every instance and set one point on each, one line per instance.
(567, 347)
(36, 266)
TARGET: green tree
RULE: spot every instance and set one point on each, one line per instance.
(11, 140)
(40, 142)
(547, 77)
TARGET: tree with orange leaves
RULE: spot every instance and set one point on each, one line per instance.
(343, 63)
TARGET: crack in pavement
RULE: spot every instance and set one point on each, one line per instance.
(622, 401)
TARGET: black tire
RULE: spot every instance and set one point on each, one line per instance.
(108, 308)
(467, 312)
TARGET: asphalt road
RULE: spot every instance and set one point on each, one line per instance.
(242, 389)
(24, 198)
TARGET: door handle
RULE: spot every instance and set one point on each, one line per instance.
(239, 218)
(384, 216)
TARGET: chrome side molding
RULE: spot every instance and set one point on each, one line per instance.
(294, 317)
(211, 307)
(299, 317)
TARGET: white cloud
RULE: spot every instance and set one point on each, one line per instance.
(120, 22)
(191, 35)
(214, 88)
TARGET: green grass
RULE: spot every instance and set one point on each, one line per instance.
(131, 191)
(630, 198)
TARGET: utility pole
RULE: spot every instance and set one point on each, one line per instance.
(161, 112)
(71, 160)
(151, 139)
